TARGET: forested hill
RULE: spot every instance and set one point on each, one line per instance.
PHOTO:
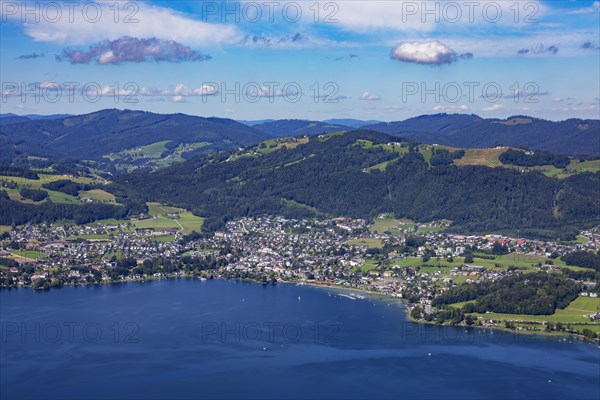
(573, 136)
(94, 135)
(294, 127)
(365, 173)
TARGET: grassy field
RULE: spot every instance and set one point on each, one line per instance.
(581, 239)
(185, 222)
(153, 150)
(276, 144)
(575, 312)
(521, 261)
(166, 238)
(586, 166)
(93, 236)
(487, 157)
(99, 195)
(430, 229)
(54, 196)
(369, 242)
(328, 136)
(490, 157)
(31, 254)
(384, 224)
(369, 265)
(392, 225)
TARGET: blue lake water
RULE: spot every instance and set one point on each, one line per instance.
(226, 339)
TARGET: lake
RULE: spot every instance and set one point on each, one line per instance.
(226, 339)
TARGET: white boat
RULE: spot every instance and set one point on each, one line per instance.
(348, 296)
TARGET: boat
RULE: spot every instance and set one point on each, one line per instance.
(348, 296)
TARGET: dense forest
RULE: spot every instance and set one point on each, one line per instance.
(584, 259)
(67, 186)
(33, 194)
(333, 176)
(532, 294)
(538, 158)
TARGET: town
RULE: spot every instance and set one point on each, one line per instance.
(416, 262)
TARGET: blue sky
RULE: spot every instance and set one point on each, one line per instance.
(386, 60)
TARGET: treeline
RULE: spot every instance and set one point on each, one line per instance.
(538, 158)
(333, 177)
(17, 213)
(166, 265)
(584, 259)
(445, 157)
(66, 186)
(19, 172)
(33, 194)
(532, 294)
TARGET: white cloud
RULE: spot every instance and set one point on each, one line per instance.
(369, 96)
(462, 107)
(178, 99)
(179, 90)
(148, 21)
(493, 108)
(593, 9)
(431, 52)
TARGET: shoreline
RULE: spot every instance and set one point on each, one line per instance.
(373, 294)
(407, 311)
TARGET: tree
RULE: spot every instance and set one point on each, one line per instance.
(499, 248)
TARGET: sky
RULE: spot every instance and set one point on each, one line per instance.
(252, 60)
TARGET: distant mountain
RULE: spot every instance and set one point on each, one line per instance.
(353, 123)
(11, 118)
(94, 135)
(6, 119)
(254, 122)
(295, 127)
(573, 136)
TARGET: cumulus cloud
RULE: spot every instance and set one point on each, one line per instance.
(128, 49)
(432, 52)
(539, 49)
(369, 96)
(31, 56)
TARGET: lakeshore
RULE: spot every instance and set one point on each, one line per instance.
(350, 293)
